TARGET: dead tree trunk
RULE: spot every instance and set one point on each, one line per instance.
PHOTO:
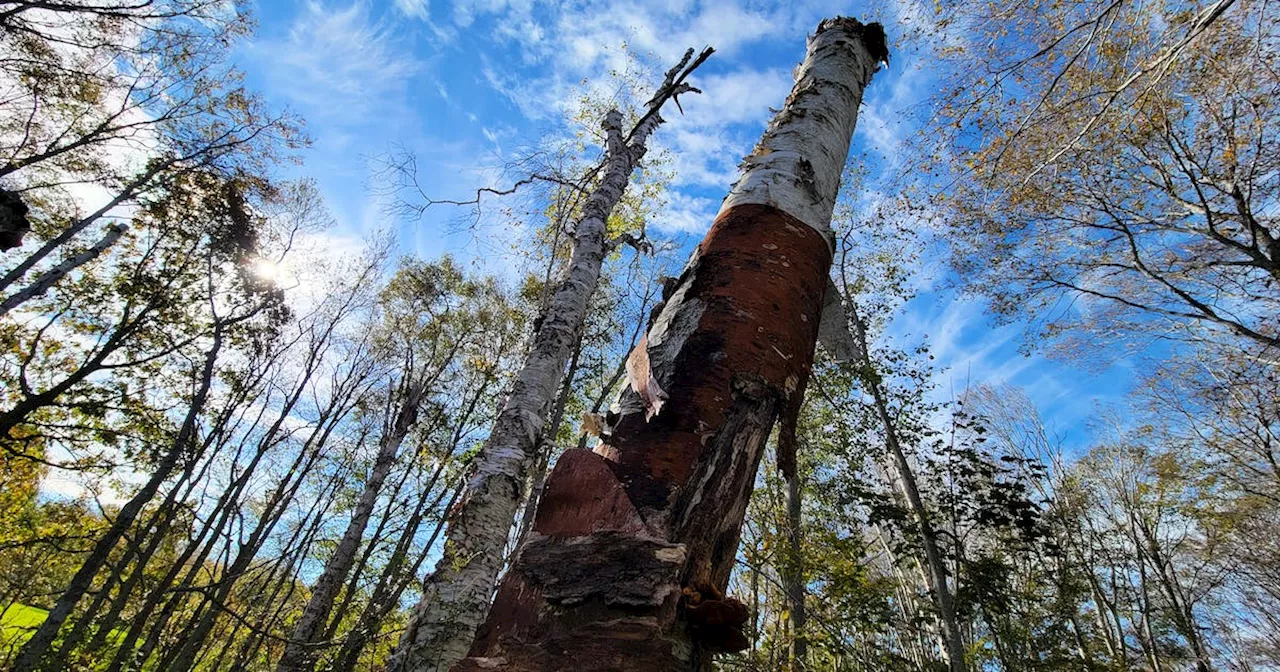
(633, 542)
(457, 593)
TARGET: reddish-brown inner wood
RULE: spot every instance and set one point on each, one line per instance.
(761, 275)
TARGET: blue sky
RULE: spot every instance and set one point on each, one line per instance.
(467, 86)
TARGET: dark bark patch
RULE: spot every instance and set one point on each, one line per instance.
(616, 568)
(13, 220)
(755, 316)
(871, 34)
(715, 621)
(582, 495)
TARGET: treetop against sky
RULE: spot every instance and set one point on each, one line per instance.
(469, 88)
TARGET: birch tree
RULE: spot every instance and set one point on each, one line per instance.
(633, 542)
(935, 570)
(432, 317)
(116, 99)
(456, 593)
(1117, 177)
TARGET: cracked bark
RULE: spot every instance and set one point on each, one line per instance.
(633, 542)
(457, 593)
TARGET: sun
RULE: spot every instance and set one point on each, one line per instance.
(268, 271)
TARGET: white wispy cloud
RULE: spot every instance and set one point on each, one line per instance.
(414, 8)
(686, 214)
(339, 65)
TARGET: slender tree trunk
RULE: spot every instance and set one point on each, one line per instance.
(633, 543)
(754, 630)
(398, 571)
(275, 507)
(793, 579)
(1181, 613)
(128, 192)
(299, 653)
(155, 531)
(935, 573)
(457, 592)
(344, 396)
(189, 565)
(543, 459)
(33, 653)
(282, 578)
(53, 275)
(391, 585)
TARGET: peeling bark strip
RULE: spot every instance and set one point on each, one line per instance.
(457, 594)
(633, 543)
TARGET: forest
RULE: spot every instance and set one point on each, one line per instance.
(525, 419)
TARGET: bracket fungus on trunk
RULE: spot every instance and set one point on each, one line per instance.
(633, 543)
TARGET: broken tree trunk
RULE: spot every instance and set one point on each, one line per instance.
(457, 593)
(633, 543)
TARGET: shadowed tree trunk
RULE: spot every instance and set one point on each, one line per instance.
(793, 578)
(633, 542)
(456, 594)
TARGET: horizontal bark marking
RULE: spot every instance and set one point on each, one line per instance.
(557, 627)
(617, 568)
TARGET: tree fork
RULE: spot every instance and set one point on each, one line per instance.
(633, 543)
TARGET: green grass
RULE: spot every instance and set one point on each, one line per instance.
(18, 622)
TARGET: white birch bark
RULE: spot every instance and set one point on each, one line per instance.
(300, 651)
(797, 164)
(53, 275)
(456, 595)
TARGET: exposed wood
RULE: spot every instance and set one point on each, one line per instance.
(634, 542)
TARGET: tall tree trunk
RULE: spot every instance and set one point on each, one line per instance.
(186, 656)
(935, 571)
(633, 543)
(392, 582)
(300, 651)
(793, 578)
(543, 459)
(32, 654)
(457, 592)
(400, 569)
(123, 196)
